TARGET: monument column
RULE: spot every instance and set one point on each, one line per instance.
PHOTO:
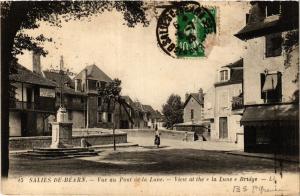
(61, 130)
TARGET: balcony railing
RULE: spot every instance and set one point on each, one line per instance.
(237, 103)
(72, 106)
(32, 106)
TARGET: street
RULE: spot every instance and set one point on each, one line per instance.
(173, 157)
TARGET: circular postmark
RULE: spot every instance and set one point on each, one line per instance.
(183, 28)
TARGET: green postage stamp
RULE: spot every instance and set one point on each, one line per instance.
(183, 30)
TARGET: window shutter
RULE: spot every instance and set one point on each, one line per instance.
(262, 82)
(279, 87)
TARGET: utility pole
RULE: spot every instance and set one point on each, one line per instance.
(61, 66)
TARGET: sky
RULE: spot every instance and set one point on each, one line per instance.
(133, 55)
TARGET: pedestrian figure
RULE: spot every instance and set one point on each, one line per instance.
(157, 139)
(85, 143)
(185, 136)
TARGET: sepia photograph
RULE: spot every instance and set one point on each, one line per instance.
(150, 98)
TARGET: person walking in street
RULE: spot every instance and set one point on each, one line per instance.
(157, 138)
(185, 136)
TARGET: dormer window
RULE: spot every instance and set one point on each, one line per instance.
(224, 75)
(272, 8)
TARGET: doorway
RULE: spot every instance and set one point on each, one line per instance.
(223, 128)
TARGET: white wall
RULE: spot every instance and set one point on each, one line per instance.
(14, 124)
(223, 101)
(209, 103)
(192, 105)
(255, 63)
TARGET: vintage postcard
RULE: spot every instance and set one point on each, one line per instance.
(150, 98)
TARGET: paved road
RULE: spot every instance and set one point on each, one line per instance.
(174, 157)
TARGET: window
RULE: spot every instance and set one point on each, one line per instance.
(92, 85)
(98, 84)
(192, 114)
(272, 8)
(247, 18)
(109, 117)
(224, 75)
(273, 45)
(271, 87)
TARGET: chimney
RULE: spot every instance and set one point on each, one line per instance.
(201, 96)
(36, 62)
(186, 96)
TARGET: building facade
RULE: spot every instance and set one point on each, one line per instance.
(193, 114)
(193, 107)
(226, 121)
(73, 101)
(271, 71)
(209, 110)
(33, 103)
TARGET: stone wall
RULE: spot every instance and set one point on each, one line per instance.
(24, 143)
(167, 134)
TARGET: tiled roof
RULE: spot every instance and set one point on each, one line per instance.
(94, 73)
(137, 106)
(257, 25)
(127, 99)
(237, 64)
(56, 77)
(236, 73)
(71, 91)
(158, 115)
(149, 109)
(196, 97)
(25, 75)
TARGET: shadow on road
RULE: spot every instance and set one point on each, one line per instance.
(160, 161)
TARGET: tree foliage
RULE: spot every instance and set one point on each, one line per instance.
(29, 14)
(111, 91)
(173, 110)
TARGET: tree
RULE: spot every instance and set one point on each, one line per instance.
(111, 96)
(173, 110)
(17, 16)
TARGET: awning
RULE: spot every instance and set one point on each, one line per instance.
(266, 114)
(270, 82)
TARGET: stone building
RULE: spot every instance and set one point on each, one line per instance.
(98, 114)
(271, 75)
(226, 123)
(193, 114)
(209, 109)
(73, 101)
(193, 107)
(33, 103)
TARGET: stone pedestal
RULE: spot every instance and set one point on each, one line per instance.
(61, 130)
(61, 134)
